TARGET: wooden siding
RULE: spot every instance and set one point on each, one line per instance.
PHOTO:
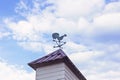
(51, 72)
(55, 72)
(69, 75)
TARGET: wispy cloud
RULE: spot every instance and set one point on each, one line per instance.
(12, 72)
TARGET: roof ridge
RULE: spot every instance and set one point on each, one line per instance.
(50, 56)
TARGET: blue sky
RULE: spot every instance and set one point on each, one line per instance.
(93, 40)
(7, 7)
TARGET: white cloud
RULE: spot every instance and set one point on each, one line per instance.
(112, 7)
(105, 70)
(21, 30)
(79, 53)
(85, 56)
(72, 47)
(107, 22)
(110, 75)
(31, 46)
(4, 34)
(11, 72)
(77, 8)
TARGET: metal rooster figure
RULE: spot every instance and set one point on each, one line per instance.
(58, 40)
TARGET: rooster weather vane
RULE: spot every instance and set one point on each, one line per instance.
(58, 40)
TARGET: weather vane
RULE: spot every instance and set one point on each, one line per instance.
(58, 40)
